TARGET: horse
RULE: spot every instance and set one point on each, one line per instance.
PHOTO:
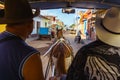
(60, 57)
(61, 51)
(59, 33)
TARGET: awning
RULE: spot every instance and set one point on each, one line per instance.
(88, 4)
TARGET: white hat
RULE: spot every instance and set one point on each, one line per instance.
(108, 28)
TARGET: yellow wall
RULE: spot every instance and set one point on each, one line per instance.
(2, 27)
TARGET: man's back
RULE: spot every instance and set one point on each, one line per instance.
(96, 61)
(100, 60)
(13, 53)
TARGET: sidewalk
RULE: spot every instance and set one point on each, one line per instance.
(40, 45)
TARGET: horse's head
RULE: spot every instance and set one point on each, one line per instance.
(59, 33)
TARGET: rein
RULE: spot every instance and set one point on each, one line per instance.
(50, 48)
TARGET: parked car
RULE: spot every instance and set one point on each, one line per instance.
(72, 31)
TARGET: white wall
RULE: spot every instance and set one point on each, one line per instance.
(35, 24)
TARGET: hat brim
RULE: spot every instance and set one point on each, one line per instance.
(105, 36)
(11, 21)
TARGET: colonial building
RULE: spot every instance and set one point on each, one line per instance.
(40, 21)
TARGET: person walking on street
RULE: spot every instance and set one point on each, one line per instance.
(79, 36)
(100, 60)
(18, 60)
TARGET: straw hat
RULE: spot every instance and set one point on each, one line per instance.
(16, 11)
(108, 28)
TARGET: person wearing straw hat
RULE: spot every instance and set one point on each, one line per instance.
(18, 60)
(100, 60)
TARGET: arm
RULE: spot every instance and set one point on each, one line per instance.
(32, 69)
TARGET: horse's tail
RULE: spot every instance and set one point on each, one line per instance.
(61, 64)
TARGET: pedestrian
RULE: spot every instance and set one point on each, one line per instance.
(79, 36)
(18, 60)
(87, 35)
(100, 60)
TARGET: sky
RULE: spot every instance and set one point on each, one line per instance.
(68, 19)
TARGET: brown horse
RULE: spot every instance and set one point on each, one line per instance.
(61, 55)
(59, 33)
(62, 52)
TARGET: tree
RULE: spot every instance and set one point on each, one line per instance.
(72, 26)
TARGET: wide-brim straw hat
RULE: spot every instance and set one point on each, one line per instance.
(16, 11)
(108, 28)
